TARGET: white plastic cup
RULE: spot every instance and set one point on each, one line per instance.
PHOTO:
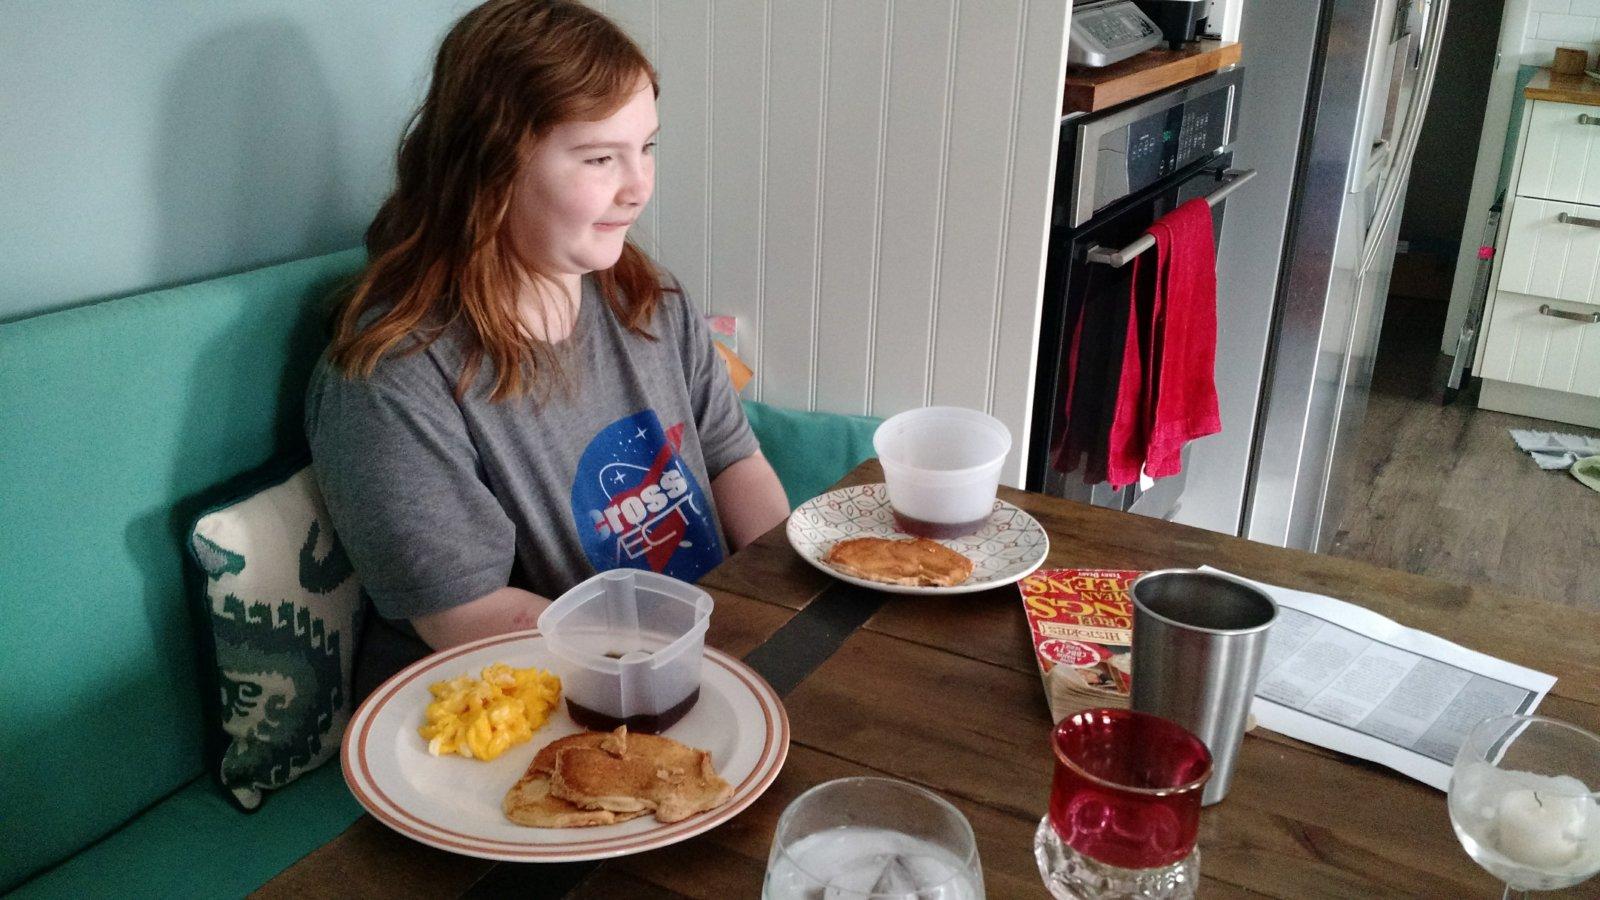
(942, 467)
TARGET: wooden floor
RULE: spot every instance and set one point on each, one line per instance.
(1442, 490)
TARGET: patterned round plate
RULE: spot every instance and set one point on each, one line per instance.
(1006, 549)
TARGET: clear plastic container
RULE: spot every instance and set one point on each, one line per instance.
(628, 645)
(942, 466)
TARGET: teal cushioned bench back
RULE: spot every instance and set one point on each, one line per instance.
(118, 423)
(810, 450)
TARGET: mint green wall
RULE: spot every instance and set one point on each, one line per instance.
(151, 142)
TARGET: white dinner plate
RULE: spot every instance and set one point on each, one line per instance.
(1006, 549)
(453, 803)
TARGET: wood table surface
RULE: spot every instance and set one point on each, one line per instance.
(944, 692)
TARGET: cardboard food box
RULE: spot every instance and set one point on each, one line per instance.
(1081, 621)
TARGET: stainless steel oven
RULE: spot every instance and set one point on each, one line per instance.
(1117, 173)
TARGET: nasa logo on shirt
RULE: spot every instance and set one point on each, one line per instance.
(636, 504)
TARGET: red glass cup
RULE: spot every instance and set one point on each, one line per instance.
(1127, 787)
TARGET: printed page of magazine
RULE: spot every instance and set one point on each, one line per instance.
(1348, 679)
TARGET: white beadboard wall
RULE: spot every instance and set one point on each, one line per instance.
(1559, 23)
(865, 186)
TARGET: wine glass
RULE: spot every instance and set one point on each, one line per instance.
(1525, 801)
(861, 838)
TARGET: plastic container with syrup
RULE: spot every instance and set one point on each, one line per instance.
(628, 645)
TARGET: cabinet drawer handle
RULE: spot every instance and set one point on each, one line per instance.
(1586, 318)
(1586, 119)
(1566, 219)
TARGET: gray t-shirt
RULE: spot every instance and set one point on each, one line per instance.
(439, 502)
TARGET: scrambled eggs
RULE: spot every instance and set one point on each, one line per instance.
(483, 717)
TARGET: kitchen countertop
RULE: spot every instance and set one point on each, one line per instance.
(1563, 88)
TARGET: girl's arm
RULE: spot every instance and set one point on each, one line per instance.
(750, 500)
(507, 609)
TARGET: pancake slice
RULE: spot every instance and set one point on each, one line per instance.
(918, 562)
(601, 778)
(530, 803)
(653, 773)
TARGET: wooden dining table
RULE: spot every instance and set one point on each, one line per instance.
(944, 692)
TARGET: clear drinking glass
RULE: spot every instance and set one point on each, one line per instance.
(859, 838)
(1525, 802)
(1124, 808)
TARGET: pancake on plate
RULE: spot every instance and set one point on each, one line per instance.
(529, 802)
(640, 773)
(601, 778)
(918, 562)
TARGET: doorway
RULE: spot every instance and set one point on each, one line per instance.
(1439, 488)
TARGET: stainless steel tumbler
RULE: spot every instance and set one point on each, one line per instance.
(1198, 639)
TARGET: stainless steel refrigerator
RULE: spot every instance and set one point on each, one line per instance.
(1336, 100)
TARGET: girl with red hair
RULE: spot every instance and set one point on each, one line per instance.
(515, 396)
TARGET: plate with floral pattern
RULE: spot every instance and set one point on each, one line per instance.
(1009, 546)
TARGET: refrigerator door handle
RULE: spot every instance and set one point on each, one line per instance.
(1116, 259)
(1409, 130)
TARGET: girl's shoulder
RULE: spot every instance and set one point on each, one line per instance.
(674, 307)
(419, 362)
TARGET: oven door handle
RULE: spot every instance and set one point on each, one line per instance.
(1119, 258)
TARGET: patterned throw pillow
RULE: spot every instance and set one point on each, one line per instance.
(284, 612)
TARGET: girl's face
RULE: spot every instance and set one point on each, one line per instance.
(581, 186)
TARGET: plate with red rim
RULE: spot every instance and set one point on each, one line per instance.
(454, 803)
(1009, 546)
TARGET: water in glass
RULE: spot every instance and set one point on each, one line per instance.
(868, 862)
(872, 839)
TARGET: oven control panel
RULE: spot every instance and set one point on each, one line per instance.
(1108, 156)
(1160, 144)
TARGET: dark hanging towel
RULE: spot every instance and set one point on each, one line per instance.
(1099, 317)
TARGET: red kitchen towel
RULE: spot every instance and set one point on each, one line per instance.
(1129, 435)
(1167, 395)
(1185, 345)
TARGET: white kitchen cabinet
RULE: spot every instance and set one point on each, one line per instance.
(1561, 156)
(1536, 345)
(1553, 250)
(1540, 353)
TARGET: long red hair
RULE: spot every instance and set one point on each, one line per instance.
(438, 251)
